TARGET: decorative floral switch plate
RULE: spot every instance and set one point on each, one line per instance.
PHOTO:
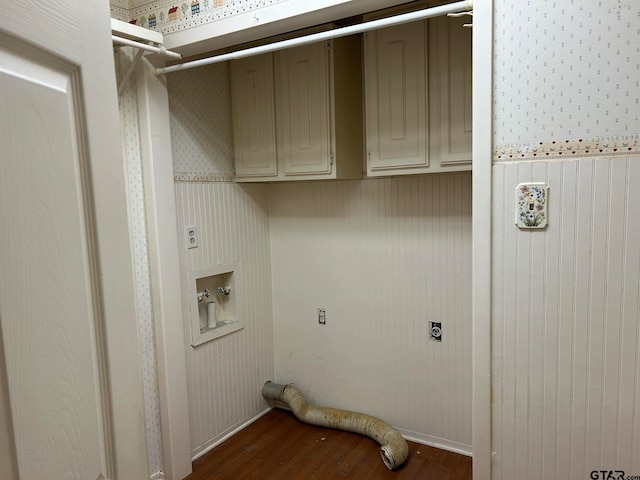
(531, 205)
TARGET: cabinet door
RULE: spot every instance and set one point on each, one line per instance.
(396, 98)
(451, 79)
(254, 135)
(303, 112)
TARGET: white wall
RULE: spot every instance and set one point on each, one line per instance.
(383, 257)
(565, 328)
(565, 80)
(566, 356)
(201, 131)
(130, 137)
(225, 375)
(431, 396)
(565, 70)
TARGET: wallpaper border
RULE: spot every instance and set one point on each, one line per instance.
(204, 177)
(168, 16)
(613, 145)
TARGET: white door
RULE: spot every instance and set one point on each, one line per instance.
(70, 379)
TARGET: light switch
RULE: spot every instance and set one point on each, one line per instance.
(531, 205)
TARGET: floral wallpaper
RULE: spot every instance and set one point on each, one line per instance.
(566, 78)
(201, 130)
(130, 137)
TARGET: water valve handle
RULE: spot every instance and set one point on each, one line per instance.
(203, 294)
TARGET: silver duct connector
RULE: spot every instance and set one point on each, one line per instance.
(393, 448)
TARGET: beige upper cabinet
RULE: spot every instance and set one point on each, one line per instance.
(254, 134)
(303, 110)
(418, 98)
(396, 99)
(450, 90)
(304, 120)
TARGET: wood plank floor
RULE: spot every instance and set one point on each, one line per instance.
(279, 447)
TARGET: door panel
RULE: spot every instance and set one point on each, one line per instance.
(303, 112)
(70, 358)
(396, 83)
(49, 302)
(452, 69)
(8, 460)
(254, 131)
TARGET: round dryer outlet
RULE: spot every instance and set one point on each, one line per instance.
(435, 331)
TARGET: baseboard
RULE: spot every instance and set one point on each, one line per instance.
(229, 432)
(437, 442)
(157, 476)
(410, 435)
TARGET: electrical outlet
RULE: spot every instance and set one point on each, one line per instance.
(191, 237)
(435, 331)
(322, 316)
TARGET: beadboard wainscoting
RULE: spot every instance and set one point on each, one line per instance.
(225, 375)
(383, 257)
(566, 309)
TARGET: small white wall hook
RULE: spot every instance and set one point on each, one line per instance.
(462, 14)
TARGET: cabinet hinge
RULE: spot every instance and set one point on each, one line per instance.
(331, 158)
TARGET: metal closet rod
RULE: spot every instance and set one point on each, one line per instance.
(438, 11)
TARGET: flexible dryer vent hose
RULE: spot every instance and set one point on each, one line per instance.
(393, 448)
